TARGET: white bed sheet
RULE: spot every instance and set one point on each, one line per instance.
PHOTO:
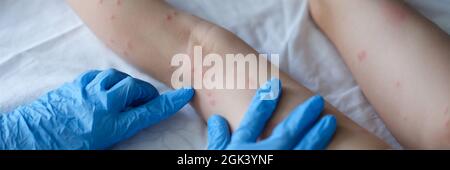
(43, 44)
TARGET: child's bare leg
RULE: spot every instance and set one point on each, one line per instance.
(149, 33)
(400, 60)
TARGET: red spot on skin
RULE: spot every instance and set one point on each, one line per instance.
(125, 53)
(100, 2)
(446, 110)
(397, 84)
(119, 2)
(447, 123)
(209, 94)
(395, 12)
(169, 17)
(362, 56)
(129, 45)
(112, 17)
(112, 41)
(212, 102)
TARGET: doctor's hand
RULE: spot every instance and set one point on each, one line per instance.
(301, 130)
(97, 110)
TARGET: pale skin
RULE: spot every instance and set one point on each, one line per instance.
(149, 33)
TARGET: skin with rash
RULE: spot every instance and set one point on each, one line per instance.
(148, 33)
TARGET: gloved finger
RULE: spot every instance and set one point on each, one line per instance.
(130, 92)
(292, 128)
(319, 136)
(106, 79)
(154, 111)
(85, 78)
(218, 133)
(259, 112)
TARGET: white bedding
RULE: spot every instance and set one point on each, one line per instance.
(43, 44)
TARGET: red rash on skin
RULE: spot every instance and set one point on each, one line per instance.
(208, 94)
(397, 84)
(362, 56)
(395, 12)
(212, 102)
(171, 15)
(129, 45)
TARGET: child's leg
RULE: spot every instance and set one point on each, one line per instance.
(149, 33)
(400, 60)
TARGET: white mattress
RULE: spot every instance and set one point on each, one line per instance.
(43, 44)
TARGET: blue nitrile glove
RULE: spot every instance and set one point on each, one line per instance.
(97, 110)
(301, 130)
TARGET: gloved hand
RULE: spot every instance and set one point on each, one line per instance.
(301, 130)
(95, 111)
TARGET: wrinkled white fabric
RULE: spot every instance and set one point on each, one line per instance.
(43, 44)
